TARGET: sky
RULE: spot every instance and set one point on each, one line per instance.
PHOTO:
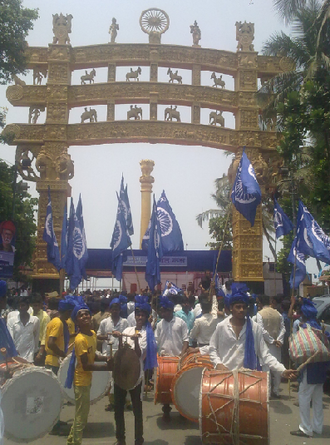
(186, 173)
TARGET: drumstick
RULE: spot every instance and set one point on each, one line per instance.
(126, 335)
(4, 352)
(309, 361)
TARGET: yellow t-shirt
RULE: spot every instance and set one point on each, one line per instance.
(72, 332)
(84, 344)
(54, 329)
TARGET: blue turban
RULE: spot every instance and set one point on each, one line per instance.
(66, 305)
(76, 309)
(238, 293)
(141, 303)
(3, 288)
(122, 299)
(165, 303)
(308, 309)
(114, 301)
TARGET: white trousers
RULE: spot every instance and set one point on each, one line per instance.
(307, 393)
(2, 423)
(275, 377)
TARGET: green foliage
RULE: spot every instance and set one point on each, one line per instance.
(22, 214)
(221, 232)
(15, 23)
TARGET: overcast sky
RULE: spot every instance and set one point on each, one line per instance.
(186, 173)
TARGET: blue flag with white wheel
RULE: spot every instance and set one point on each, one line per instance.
(53, 252)
(297, 258)
(120, 241)
(76, 250)
(313, 241)
(82, 227)
(155, 252)
(126, 207)
(246, 193)
(282, 223)
(171, 236)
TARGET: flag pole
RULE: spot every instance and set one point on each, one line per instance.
(222, 241)
(137, 277)
(275, 264)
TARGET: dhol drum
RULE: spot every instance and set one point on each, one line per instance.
(234, 407)
(186, 384)
(31, 404)
(100, 383)
(166, 371)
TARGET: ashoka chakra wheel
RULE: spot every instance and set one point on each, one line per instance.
(154, 20)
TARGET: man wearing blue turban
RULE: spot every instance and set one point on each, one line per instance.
(238, 341)
(311, 380)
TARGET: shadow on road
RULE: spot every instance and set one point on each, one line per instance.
(96, 430)
(278, 407)
(177, 423)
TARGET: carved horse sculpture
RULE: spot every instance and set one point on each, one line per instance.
(216, 118)
(218, 81)
(172, 113)
(133, 74)
(174, 76)
(91, 115)
(88, 77)
(135, 113)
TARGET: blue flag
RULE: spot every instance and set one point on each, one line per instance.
(80, 217)
(282, 223)
(76, 251)
(53, 252)
(298, 258)
(313, 241)
(64, 237)
(171, 236)
(126, 207)
(155, 251)
(173, 290)
(246, 193)
(120, 242)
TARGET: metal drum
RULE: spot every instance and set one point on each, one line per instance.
(31, 403)
(186, 384)
(100, 383)
(234, 407)
(166, 371)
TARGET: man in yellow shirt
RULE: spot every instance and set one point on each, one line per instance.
(44, 320)
(86, 355)
(57, 336)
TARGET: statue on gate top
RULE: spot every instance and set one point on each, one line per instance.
(61, 28)
(196, 33)
(114, 27)
(244, 36)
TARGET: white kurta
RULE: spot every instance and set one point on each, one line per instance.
(107, 325)
(225, 348)
(170, 336)
(26, 337)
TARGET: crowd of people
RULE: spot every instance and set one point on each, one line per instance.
(235, 329)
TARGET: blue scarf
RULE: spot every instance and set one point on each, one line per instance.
(141, 303)
(6, 341)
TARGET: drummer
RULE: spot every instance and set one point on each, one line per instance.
(81, 375)
(238, 341)
(141, 338)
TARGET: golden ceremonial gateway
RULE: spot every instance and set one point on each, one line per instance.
(42, 149)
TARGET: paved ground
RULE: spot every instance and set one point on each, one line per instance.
(284, 417)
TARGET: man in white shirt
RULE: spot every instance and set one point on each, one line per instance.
(238, 341)
(108, 325)
(204, 326)
(273, 329)
(24, 329)
(172, 338)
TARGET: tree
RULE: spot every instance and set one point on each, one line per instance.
(21, 211)
(15, 23)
